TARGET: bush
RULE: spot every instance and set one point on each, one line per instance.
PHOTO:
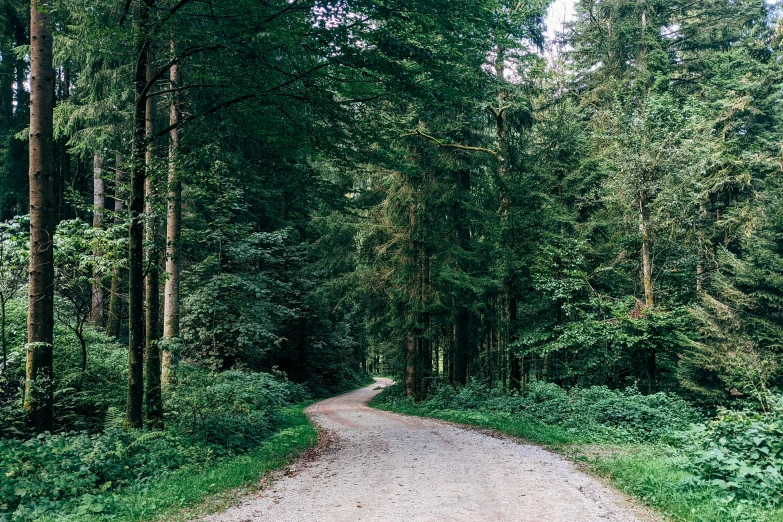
(208, 416)
(739, 453)
(596, 413)
(232, 410)
(51, 473)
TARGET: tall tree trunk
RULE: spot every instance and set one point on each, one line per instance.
(463, 349)
(647, 282)
(3, 340)
(99, 204)
(501, 137)
(38, 399)
(153, 392)
(136, 338)
(173, 231)
(410, 368)
(515, 364)
(649, 296)
(115, 300)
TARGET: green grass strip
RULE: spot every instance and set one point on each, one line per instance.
(515, 425)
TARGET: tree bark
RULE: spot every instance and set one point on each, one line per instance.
(410, 369)
(99, 204)
(38, 400)
(115, 300)
(153, 393)
(2, 332)
(136, 338)
(173, 231)
(647, 281)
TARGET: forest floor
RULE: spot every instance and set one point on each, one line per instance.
(382, 466)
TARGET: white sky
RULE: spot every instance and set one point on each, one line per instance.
(560, 11)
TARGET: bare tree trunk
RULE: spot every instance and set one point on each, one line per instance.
(153, 393)
(173, 231)
(463, 344)
(136, 341)
(115, 301)
(410, 370)
(2, 332)
(99, 204)
(647, 282)
(38, 399)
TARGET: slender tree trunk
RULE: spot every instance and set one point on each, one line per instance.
(649, 296)
(647, 281)
(115, 300)
(515, 371)
(173, 231)
(154, 399)
(411, 363)
(644, 231)
(136, 340)
(40, 316)
(463, 348)
(500, 135)
(410, 369)
(99, 204)
(2, 332)
(79, 331)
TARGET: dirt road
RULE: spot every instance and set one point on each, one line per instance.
(389, 467)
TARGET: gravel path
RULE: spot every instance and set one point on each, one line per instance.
(389, 467)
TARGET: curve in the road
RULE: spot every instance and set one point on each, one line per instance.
(393, 468)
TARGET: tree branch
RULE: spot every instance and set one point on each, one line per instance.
(457, 146)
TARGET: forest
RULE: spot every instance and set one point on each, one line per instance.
(214, 213)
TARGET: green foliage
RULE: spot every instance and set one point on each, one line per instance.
(740, 454)
(66, 472)
(596, 414)
(232, 410)
(191, 492)
(211, 416)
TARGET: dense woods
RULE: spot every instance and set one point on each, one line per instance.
(220, 209)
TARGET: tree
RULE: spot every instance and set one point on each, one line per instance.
(133, 414)
(39, 384)
(153, 397)
(99, 204)
(171, 313)
(115, 299)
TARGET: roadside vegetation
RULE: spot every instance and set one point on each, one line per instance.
(686, 464)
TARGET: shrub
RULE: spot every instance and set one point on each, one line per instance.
(232, 410)
(50, 473)
(739, 453)
(208, 415)
(596, 413)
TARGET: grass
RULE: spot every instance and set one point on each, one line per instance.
(651, 473)
(514, 425)
(187, 493)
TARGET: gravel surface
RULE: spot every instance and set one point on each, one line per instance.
(387, 467)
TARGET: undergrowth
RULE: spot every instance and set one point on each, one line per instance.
(210, 418)
(655, 447)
